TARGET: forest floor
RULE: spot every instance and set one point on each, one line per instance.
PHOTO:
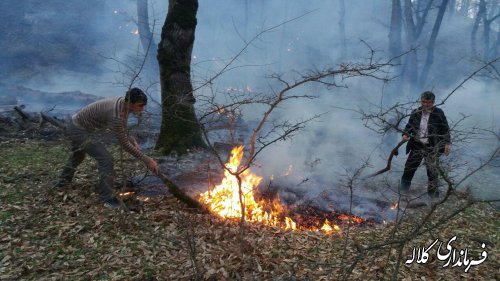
(64, 234)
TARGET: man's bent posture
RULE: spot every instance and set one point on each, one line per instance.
(85, 130)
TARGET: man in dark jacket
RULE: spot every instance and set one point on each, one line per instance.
(428, 136)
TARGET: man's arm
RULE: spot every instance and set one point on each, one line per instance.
(130, 145)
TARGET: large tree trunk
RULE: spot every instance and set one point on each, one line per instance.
(180, 129)
(432, 43)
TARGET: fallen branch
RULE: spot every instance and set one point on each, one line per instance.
(23, 114)
(179, 194)
(394, 152)
(46, 118)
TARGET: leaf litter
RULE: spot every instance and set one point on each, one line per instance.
(65, 235)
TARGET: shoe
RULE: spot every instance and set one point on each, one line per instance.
(112, 203)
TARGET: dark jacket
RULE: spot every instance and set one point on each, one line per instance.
(437, 128)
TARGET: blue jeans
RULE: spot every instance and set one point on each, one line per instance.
(82, 143)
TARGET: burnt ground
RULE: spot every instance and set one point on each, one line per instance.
(60, 234)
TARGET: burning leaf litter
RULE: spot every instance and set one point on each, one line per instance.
(225, 200)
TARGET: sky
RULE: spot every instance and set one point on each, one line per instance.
(306, 37)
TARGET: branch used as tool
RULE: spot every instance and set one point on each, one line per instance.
(179, 194)
(394, 152)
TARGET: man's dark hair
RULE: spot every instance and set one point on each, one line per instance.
(136, 95)
(427, 95)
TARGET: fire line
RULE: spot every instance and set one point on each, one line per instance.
(224, 200)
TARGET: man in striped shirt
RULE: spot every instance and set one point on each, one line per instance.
(86, 130)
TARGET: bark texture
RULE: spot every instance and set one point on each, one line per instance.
(180, 129)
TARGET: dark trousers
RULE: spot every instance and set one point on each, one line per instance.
(83, 143)
(431, 158)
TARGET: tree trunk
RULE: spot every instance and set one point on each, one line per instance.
(411, 65)
(479, 16)
(395, 48)
(180, 129)
(146, 36)
(489, 51)
(494, 48)
(432, 43)
(422, 18)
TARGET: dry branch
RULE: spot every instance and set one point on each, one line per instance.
(23, 114)
(46, 118)
(394, 152)
(181, 195)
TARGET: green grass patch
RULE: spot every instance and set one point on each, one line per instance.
(24, 159)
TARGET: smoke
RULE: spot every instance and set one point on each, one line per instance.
(334, 146)
(307, 36)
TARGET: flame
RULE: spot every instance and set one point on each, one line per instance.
(224, 199)
(328, 228)
(128, 193)
(353, 218)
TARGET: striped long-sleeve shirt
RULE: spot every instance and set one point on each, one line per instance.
(108, 114)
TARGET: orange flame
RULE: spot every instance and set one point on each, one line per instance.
(224, 199)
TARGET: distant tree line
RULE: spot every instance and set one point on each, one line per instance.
(39, 36)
